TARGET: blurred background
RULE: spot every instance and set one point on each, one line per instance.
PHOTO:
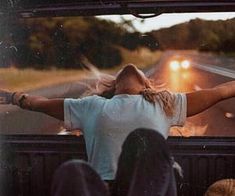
(48, 57)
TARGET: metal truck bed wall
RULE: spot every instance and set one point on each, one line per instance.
(43, 8)
(28, 162)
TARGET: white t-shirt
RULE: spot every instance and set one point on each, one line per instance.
(106, 123)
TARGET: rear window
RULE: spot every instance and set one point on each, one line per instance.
(60, 56)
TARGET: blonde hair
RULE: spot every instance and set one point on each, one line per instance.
(105, 87)
(224, 187)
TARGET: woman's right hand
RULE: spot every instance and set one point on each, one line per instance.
(6, 96)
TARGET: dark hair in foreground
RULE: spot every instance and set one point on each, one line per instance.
(74, 178)
(144, 166)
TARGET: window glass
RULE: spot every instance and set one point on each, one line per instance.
(63, 56)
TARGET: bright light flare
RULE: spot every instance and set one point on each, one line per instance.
(185, 64)
(174, 65)
(229, 115)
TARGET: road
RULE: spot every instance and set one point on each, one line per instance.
(206, 71)
(14, 120)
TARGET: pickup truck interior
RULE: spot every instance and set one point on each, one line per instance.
(58, 49)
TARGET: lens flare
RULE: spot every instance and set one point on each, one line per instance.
(229, 115)
(174, 65)
(185, 64)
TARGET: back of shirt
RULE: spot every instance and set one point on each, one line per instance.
(107, 122)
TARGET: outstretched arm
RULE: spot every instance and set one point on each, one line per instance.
(198, 101)
(52, 107)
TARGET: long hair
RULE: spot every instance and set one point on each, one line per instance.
(153, 92)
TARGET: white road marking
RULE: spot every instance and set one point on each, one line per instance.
(215, 69)
(197, 88)
(229, 115)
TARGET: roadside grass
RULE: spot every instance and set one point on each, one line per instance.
(142, 57)
(28, 79)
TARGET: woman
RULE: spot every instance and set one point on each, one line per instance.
(124, 103)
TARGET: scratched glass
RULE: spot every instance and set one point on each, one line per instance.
(60, 56)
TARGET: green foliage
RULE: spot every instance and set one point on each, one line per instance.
(216, 36)
(62, 42)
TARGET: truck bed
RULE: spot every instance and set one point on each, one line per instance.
(29, 161)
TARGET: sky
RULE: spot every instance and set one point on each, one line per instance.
(167, 20)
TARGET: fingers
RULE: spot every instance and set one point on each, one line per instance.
(2, 100)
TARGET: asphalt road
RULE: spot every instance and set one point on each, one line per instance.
(206, 71)
(14, 120)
